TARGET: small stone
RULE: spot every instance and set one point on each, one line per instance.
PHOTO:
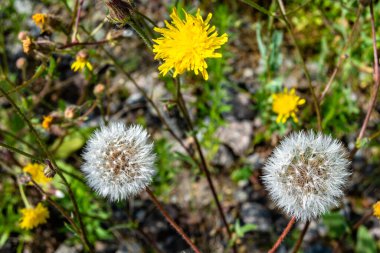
(254, 213)
(223, 158)
(237, 135)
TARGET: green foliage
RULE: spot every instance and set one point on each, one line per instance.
(242, 173)
(94, 211)
(336, 224)
(365, 241)
(9, 216)
(239, 231)
(166, 168)
(212, 102)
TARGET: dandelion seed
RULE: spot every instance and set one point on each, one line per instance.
(119, 161)
(306, 174)
(81, 61)
(33, 217)
(185, 44)
(36, 171)
(285, 105)
(376, 209)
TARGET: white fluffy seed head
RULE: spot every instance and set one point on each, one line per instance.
(119, 161)
(306, 174)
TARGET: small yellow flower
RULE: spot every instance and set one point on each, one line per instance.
(376, 209)
(36, 171)
(81, 61)
(40, 20)
(285, 104)
(47, 121)
(33, 217)
(27, 44)
(185, 44)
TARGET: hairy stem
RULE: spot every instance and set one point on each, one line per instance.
(283, 235)
(303, 63)
(300, 238)
(204, 165)
(171, 221)
(49, 156)
(376, 76)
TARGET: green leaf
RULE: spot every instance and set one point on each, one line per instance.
(336, 224)
(365, 242)
(241, 174)
(72, 142)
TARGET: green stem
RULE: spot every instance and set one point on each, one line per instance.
(23, 196)
(303, 63)
(49, 156)
(20, 152)
(142, 34)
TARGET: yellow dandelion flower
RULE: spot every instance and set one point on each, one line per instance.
(36, 171)
(47, 121)
(285, 105)
(185, 44)
(376, 209)
(27, 44)
(40, 20)
(81, 61)
(33, 217)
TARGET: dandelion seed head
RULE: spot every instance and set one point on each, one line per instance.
(306, 174)
(119, 161)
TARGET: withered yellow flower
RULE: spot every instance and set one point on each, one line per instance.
(81, 61)
(47, 121)
(27, 45)
(33, 217)
(40, 20)
(285, 105)
(36, 171)
(185, 44)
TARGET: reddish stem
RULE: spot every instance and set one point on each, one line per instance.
(300, 238)
(282, 236)
(375, 76)
(171, 221)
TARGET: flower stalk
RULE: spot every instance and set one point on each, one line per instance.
(283, 235)
(171, 221)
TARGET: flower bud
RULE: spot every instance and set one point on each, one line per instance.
(21, 63)
(99, 89)
(71, 111)
(120, 11)
(22, 35)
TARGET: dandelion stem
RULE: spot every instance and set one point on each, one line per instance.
(49, 156)
(343, 55)
(74, 37)
(204, 166)
(303, 63)
(171, 221)
(300, 238)
(282, 236)
(20, 152)
(376, 76)
(22, 193)
(58, 207)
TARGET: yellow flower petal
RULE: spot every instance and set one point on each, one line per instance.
(33, 217)
(376, 209)
(285, 105)
(36, 171)
(186, 44)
